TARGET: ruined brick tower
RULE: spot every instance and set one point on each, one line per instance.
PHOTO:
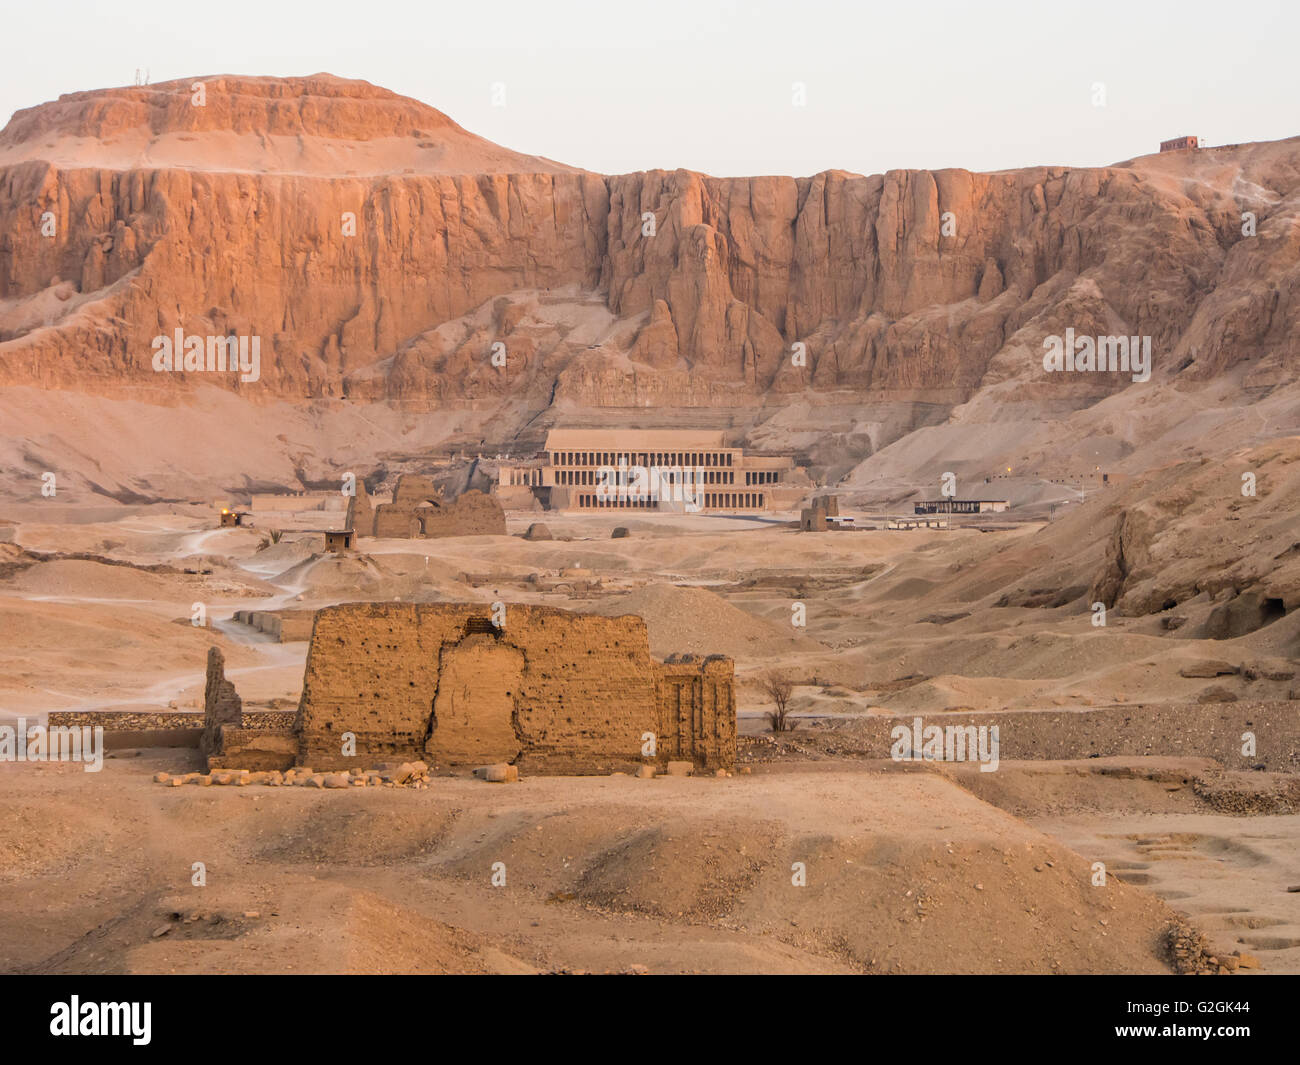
(549, 690)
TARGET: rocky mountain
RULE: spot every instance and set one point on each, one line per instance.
(383, 255)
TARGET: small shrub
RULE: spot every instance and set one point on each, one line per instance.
(778, 687)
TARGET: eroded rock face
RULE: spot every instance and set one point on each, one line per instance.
(911, 284)
(1242, 614)
(1191, 539)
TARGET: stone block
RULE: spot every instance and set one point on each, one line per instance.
(498, 774)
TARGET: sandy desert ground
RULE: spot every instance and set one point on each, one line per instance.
(910, 868)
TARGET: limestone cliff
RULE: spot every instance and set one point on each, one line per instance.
(126, 214)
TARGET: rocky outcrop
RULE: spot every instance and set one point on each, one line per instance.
(1242, 614)
(1109, 583)
(913, 284)
(1210, 547)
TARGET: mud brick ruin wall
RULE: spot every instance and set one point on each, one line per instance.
(696, 700)
(128, 720)
(255, 749)
(550, 691)
(812, 519)
(221, 703)
(471, 513)
(361, 511)
(131, 729)
(1199, 730)
(285, 625)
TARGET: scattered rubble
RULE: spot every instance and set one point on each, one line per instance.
(389, 775)
(498, 774)
(1190, 953)
(1244, 794)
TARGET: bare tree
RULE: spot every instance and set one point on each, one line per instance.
(778, 687)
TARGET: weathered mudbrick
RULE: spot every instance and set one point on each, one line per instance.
(418, 511)
(548, 690)
(221, 703)
(285, 625)
(128, 720)
(697, 710)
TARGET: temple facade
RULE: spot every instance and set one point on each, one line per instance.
(649, 470)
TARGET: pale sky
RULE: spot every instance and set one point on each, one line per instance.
(708, 85)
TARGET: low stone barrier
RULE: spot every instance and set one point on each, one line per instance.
(1204, 730)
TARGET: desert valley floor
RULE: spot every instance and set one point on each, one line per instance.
(913, 867)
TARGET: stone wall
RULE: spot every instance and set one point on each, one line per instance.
(290, 501)
(255, 749)
(285, 625)
(299, 513)
(125, 729)
(550, 691)
(221, 704)
(418, 511)
(126, 721)
(413, 488)
(697, 711)
(361, 511)
(812, 519)
(1201, 730)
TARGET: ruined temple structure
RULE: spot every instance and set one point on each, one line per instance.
(578, 470)
(419, 512)
(221, 703)
(549, 690)
(815, 518)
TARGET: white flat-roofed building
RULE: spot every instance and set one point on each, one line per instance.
(961, 506)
